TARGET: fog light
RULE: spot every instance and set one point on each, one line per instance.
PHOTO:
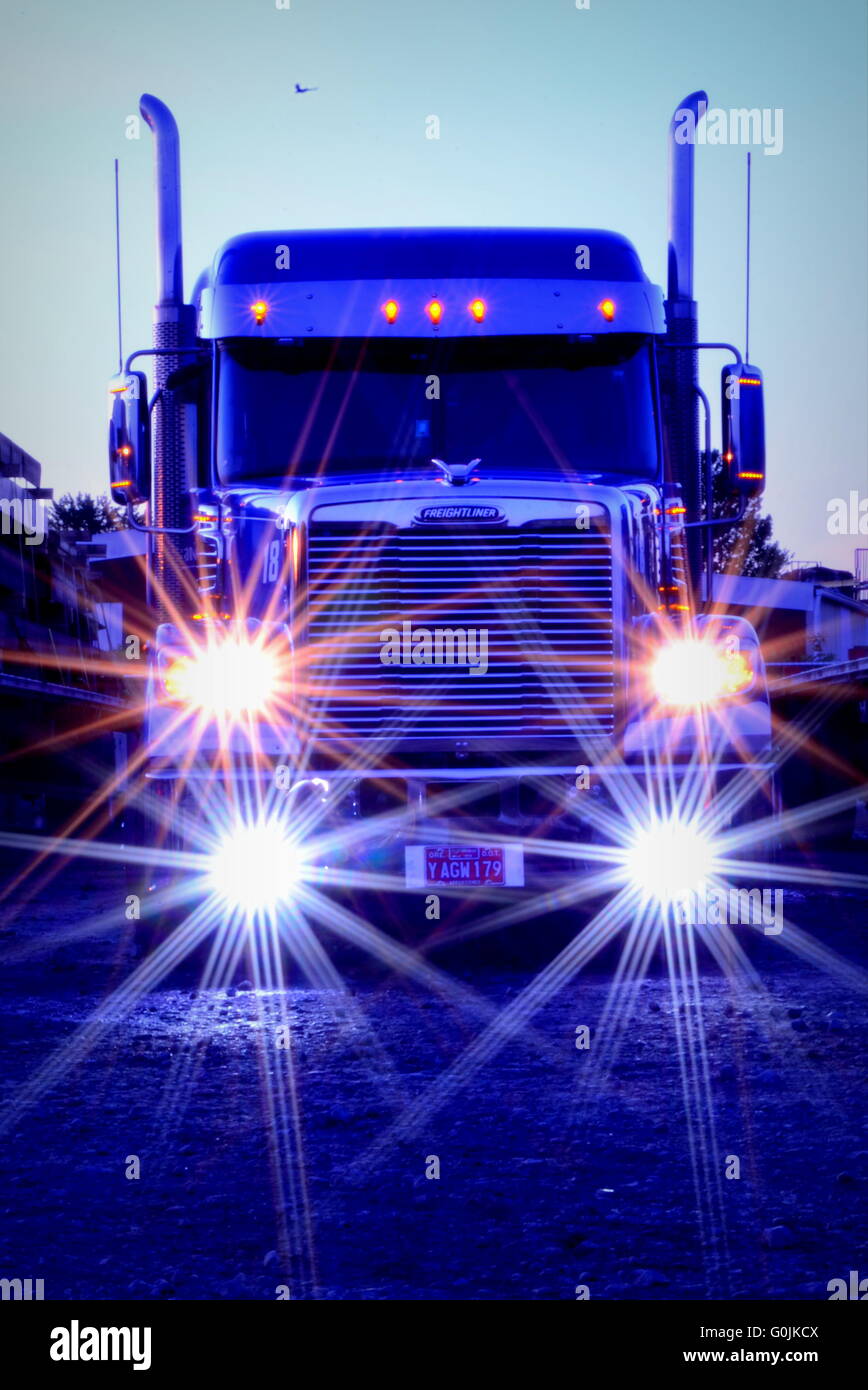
(669, 859)
(256, 866)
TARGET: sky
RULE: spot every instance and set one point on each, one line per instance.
(550, 115)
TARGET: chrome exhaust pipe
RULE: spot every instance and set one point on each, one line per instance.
(681, 161)
(172, 329)
(680, 373)
(167, 145)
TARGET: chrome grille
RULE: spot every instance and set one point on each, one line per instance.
(542, 592)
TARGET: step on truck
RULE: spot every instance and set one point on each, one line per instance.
(429, 561)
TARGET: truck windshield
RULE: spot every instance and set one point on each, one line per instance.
(522, 405)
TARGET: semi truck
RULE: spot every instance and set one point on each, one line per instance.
(429, 549)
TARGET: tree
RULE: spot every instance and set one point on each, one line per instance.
(85, 515)
(747, 547)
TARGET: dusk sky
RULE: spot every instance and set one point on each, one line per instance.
(549, 116)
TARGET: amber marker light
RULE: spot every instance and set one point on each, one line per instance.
(259, 310)
(390, 309)
(434, 310)
(607, 309)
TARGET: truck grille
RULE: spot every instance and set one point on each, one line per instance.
(542, 593)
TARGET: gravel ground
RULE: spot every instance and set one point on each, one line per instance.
(266, 1170)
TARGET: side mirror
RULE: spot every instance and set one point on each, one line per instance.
(129, 438)
(744, 432)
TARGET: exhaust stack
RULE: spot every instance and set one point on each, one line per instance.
(681, 159)
(680, 374)
(172, 329)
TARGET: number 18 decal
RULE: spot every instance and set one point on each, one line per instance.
(271, 563)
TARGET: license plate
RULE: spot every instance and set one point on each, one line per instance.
(433, 866)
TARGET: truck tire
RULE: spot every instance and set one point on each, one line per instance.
(151, 829)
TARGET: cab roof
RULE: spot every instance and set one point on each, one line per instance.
(341, 284)
(422, 252)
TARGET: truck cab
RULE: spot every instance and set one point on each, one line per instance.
(421, 524)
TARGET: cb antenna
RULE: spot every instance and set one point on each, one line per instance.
(118, 268)
(747, 273)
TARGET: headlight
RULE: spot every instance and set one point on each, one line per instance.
(692, 672)
(225, 677)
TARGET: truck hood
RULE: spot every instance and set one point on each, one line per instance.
(404, 494)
